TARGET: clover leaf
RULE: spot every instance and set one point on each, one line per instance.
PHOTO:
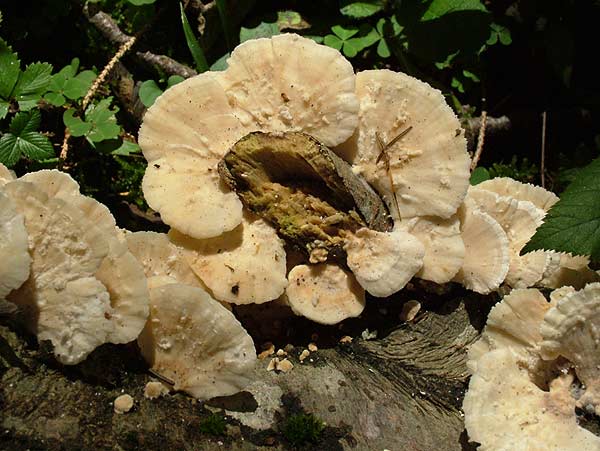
(67, 84)
(23, 139)
(99, 122)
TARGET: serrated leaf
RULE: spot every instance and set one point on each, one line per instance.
(361, 9)
(24, 122)
(573, 223)
(9, 70)
(479, 174)
(440, 8)
(33, 81)
(344, 33)
(149, 92)
(3, 108)
(75, 125)
(9, 152)
(35, 146)
(263, 30)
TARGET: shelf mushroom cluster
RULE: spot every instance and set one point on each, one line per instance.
(239, 161)
(535, 363)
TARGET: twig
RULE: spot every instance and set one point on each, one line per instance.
(480, 141)
(125, 47)
(109, 28)
(64, 149)
(543, 151)
(493, 126)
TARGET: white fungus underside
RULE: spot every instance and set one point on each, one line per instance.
(195, 342)
(14, 258)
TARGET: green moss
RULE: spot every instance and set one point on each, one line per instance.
(302, 428)
(214, 424)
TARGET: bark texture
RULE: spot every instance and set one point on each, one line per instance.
(400, 392)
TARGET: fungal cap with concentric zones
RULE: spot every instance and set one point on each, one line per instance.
(429, 165)
(505, 186)
(324, 293)
(383, 262)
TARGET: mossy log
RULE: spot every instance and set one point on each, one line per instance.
(402, 391)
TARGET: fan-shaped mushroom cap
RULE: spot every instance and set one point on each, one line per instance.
(62, 301)
(244, 266)
(14, 258)
(505, 411)
(429, 166)
(383, 262)
(566, 269)
(572, 329)
(195, 342)
(444, 247)
(291, 83)
(505, 186)
(513, 323)
(324, 293)
(486, 258)
(6, 175)
(519, 219)
(120, 272)
(284, 83)
(160, 257)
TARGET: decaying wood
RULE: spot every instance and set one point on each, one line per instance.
(309, 194)
(400, 392)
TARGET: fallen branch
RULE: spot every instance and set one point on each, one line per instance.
(493, 126)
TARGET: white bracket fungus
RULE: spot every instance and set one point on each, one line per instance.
(195, 342)
(14, 256)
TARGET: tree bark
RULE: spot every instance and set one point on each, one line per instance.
(399, 392)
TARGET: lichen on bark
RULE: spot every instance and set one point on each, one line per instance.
(308, 193)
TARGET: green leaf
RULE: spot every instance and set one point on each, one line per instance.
(344, 33)
(573, 223)
(225, 23)
(361, 9)
(33, 81)
(333, 41)
(192, 43)
(24, 122)
(149, 92)
(479, 174)
(264, 30)
(291, 20)
(470, 75)
(75, 125)
(221, 63)
(3, 108)
(55, 99)
(35, 146)
(173, 80)
(103, 121)
(77, 87)
(141, 2)
(9, 70)
(440, 8)
(9, 151)
(383, 50)
(127, 148)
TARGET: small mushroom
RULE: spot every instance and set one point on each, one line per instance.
(324, 293)
(428, 164)
(123, 404)
(14, 256)
(383, 262)
(505, 410)
(444, 247)
(571, 329)
(519, 219)
(486, 260)
(513, 323)
(195, 342)
(246, 265)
